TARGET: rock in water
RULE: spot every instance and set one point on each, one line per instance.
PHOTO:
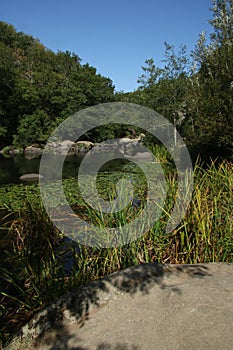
(31, 177)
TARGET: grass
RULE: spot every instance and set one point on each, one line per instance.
(33, 261)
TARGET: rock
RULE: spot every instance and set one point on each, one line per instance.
(33, 151)
(83, 146)
(107, 146)
(150, 306)
(14, 152)
(87, 144)
(31, 177)
(10, 151)
(63, 147)
(66, 145)
(51, 145)
(130, 147)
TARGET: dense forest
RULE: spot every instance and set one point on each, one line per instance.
(40, 88)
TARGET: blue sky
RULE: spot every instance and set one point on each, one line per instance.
(116, 37)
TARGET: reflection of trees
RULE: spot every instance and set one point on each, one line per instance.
(4, 174)
(13, 167)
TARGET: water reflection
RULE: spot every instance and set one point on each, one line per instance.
(11, 168)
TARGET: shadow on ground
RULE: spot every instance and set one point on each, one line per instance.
(49, 327)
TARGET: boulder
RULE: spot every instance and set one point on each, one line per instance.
(83, 146)
(14, 152)
(33, 151)
(66, 145)
(129, 146)
(149, 306)
(10, 151)
(62, 147)
(85, 143)
(31, 177)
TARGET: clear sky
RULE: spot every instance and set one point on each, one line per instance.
(113, 36)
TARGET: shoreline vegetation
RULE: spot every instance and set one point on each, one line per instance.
(39, 264)
(39, 89)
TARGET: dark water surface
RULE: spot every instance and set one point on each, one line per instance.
(11, 168)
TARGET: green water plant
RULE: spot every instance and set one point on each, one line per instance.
(34, 264)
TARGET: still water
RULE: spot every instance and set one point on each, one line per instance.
(11, 168)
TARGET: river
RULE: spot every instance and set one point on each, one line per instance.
(11, 168)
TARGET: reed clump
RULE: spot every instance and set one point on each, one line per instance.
(34, 268)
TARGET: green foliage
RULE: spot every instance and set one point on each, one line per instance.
(165, 88)
(209, 120)
(31, 129)
(195, 92)
(32, 265)
(3, 131)
(38, 88)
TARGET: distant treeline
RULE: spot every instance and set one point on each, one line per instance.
(40, 88)
(195, 91)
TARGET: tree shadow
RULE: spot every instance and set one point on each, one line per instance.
(77, 306)
(119, 346)
(60, 342)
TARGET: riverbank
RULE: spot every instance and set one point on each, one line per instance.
(33, 275)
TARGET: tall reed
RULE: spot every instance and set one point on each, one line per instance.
(33, 270)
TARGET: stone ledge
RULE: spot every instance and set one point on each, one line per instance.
(81, 304)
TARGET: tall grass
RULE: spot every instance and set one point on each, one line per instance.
(33, 272)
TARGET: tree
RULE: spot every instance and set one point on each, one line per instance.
(39, 88)
(210, 99)
(150, 76)
(7, 86)
(34, 128)
(165, 88)
(196, 93)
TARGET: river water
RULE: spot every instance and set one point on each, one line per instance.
(11, 168)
